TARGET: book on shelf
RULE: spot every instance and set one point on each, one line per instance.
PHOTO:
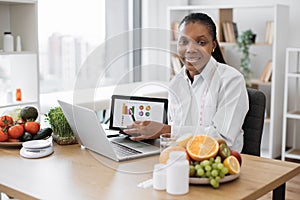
(230, 31)
(225, 32)
(176, 64)
(267, 72)
(174, 28)
(269, 32)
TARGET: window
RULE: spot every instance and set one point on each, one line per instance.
(68, 32)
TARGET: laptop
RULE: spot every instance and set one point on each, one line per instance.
(87, 129)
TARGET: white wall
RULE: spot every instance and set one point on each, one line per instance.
(154, 15)
(117, 44)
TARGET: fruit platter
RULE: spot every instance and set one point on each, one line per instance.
(211, 161)
(21, 126)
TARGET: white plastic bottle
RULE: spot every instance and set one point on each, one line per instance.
(8, 42)
(18, 44)
(177, 173)
(159, 177)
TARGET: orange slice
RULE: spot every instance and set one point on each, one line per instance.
(232, 165)
(202, 147)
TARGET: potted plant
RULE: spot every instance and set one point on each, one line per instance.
(244, 41)
(62, 132)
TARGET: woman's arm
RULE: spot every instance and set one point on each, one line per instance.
(147, 129)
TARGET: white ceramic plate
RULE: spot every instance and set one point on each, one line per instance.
(205, 181)
(36, 144)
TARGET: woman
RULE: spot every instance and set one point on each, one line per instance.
(207, 96)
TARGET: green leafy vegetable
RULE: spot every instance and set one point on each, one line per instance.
(59, 123)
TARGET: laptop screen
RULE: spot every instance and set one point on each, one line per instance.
(126, 109)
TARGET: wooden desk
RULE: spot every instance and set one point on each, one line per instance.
(73, 173)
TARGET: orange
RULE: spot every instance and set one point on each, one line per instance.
(164, 155)
(202, 147)
(232, 164)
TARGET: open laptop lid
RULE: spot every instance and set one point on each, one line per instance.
(126, 109)
(87, 129)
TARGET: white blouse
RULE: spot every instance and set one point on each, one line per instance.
(216, 103)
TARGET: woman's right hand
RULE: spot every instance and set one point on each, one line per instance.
(147, 130)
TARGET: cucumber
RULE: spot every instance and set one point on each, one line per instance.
(43, 133)
(26, 137)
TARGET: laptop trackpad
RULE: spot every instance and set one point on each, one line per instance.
(137, 145)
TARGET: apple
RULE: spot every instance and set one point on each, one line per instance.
(237, 155)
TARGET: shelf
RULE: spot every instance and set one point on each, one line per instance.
(20, 68)
(233, 44)
(259, 82)
(18, 104)
(293, 114)
(290, 133)
(294, 74)
(174, 42)
(293, 154)
(16, 53)
(9, 2)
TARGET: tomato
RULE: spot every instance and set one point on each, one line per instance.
(15, 131)
(3, 135)
(21, 122)
(6, 120)
(32, 127)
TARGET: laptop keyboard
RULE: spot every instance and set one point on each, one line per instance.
(123, 150)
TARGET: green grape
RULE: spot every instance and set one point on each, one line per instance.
(215, 165)
(192, 171)
(198, 166)
(214, 173)
(208, 174)
(218, 159)
(218, 178)
(220, 166)
(196, 163)
(221, 174)
(208, 168)
(204, 163)
(211, 160)
(225, 170)
(213, 182)
(200, 172)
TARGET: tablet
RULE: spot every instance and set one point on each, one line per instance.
(127, 109)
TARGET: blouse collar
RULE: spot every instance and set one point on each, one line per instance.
(205, 74)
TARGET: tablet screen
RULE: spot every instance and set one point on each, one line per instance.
(126, 109)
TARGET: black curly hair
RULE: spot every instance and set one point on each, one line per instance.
(204, 19)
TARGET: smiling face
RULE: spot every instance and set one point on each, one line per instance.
(195, 46)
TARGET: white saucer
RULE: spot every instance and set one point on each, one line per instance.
(36, 144)
(35, 152)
